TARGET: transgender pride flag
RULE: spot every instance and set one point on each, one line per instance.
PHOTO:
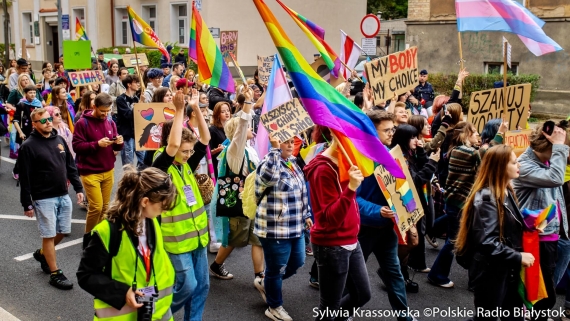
(508, 16)
(278, 93)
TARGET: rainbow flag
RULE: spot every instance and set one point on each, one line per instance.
(80, 33)
(212, 69)
(234, 60)
(143, 33)
(313, 32)
(327, 107)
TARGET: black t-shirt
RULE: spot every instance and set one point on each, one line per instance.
(163, 161)
(217, 137)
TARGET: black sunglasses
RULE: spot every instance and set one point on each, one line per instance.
(44, 120)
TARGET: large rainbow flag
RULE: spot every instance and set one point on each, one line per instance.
(80, 33)
(327, 107)
(212, 69)
(143, 33)
(316, 34)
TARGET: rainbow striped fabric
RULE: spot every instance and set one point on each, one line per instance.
(508, 16)
(314, 32)
(212, 69)
(80, 33)
(327, 107)
(143, 33)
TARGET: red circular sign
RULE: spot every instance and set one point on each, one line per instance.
(370, 26)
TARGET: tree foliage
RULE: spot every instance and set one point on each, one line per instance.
(391, 9)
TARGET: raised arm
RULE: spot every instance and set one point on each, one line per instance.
(175, 138)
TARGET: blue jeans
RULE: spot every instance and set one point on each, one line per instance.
(128, 152)
(343, 279)
(383, 242)
(192, 283)
(439, 273)
(562, 260)
(282, 259)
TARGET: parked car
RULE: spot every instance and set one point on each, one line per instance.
(357, 85)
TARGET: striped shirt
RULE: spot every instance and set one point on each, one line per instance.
(463, 164)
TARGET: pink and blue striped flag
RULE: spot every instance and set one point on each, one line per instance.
(508, 16)
(278, 93)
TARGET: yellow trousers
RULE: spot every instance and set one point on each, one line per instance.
(98, 192)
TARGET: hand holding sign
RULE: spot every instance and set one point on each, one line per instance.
(274, 141)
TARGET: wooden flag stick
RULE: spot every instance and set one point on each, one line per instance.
(351, 70)
(137, 66)
(505, 44)
(460, 52)
(342, 149)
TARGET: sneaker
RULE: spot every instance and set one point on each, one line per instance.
(432, 241)
(220, 271)
(42, 259)
(447, 285)
(214, 247)
(84, 205)
(426, 270)
(259, 284)
(566, 315)
(59, 280)
(314, 282)
(278, 314)
(309, 251)
(412, 286)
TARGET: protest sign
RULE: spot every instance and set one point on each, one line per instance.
(86, 78)
(488, 104)
(323, 70)
(393, 74)
(287, 120)
(228, 43)
(148, 119)
(401, 194)
(77, 54)
(264, 66)
(519, 139)
(130, 61)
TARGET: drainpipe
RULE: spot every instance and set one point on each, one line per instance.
(113, 23)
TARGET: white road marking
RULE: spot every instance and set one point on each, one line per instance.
(57, 247)
(9, 160)
(25, 218)
(7, 316)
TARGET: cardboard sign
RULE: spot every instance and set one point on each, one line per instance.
(488, 104)
(76, 54)
(130, 60)
(86, 78)
(228, 43)
(148, 123)
(519, 139)
(401, 194)
(393, 74)
(287, 120)
(264, 66)
(323, 70)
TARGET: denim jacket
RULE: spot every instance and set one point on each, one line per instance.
(540, 185)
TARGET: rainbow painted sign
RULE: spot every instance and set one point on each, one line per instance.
(86, 78)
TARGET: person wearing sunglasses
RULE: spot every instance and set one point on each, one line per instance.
(46, 165)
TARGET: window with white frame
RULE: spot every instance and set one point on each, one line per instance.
(28, 27)
(122, 27)
(497, 68)
(181, 23)
(80, 14)
(149, 15)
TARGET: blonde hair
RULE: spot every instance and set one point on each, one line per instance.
(455, 111)
(231, 127)
(172, 84)
(20, 88)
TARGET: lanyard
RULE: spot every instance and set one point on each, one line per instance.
(146, 259)
(180, 172)
(148, 267)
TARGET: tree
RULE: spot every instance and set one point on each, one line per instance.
(391, 9)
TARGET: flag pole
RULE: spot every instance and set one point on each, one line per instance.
(460, 51)
(342, 149)
(505, 44)
(137, 66)
(351, 70)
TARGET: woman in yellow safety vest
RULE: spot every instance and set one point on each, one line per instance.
(126, 267)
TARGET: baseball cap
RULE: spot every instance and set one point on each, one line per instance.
(165, 65)
(183, 82)
(423, 72)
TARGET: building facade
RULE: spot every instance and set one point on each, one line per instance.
(107, 24)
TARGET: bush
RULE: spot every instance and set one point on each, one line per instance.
(3, 49)
(153, 55)
(443, 83)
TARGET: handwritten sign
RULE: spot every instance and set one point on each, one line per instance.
(287, 120)
(488, 104)
(401, 194)
(228, 43)
(264, 66)
(130, 60)
(393, 74)
(86, 78)
(323, 70)
(149, 119)
(519, 139)
(77, 54)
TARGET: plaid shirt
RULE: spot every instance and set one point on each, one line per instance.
(282, 213)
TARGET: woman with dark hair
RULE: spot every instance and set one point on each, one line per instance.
(87, 103)
(218, 136)
(492, 134)
(421, 169)
(490, 235)
(423, 127)
(162, 95)
(59, 99)
(257, 83)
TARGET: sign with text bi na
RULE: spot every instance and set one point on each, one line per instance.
(228, 43)
(488, 104)
(393, 74)
(519, 139)
(287, 120)
(264, 66)
(130, 61)
(401, 194)
(86, 78)
(149, 119)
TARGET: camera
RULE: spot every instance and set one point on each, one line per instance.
(144, 313)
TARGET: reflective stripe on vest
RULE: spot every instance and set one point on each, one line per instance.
(123, 270)
(184, 228)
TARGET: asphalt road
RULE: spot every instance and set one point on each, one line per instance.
(25, 293)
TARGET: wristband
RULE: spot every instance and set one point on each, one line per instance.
(249, 102)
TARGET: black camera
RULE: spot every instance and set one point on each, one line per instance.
(144, 313)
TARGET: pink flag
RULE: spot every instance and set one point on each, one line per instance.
(349, 53)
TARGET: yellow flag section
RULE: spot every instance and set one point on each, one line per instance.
(519, 139)
(393, 74)
(401, 194)
(488, 104)
(149, 119)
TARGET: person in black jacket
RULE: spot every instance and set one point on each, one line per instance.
(215, 95)
(454, 98)
(490, 235)
(45, 167)
(126, 122)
